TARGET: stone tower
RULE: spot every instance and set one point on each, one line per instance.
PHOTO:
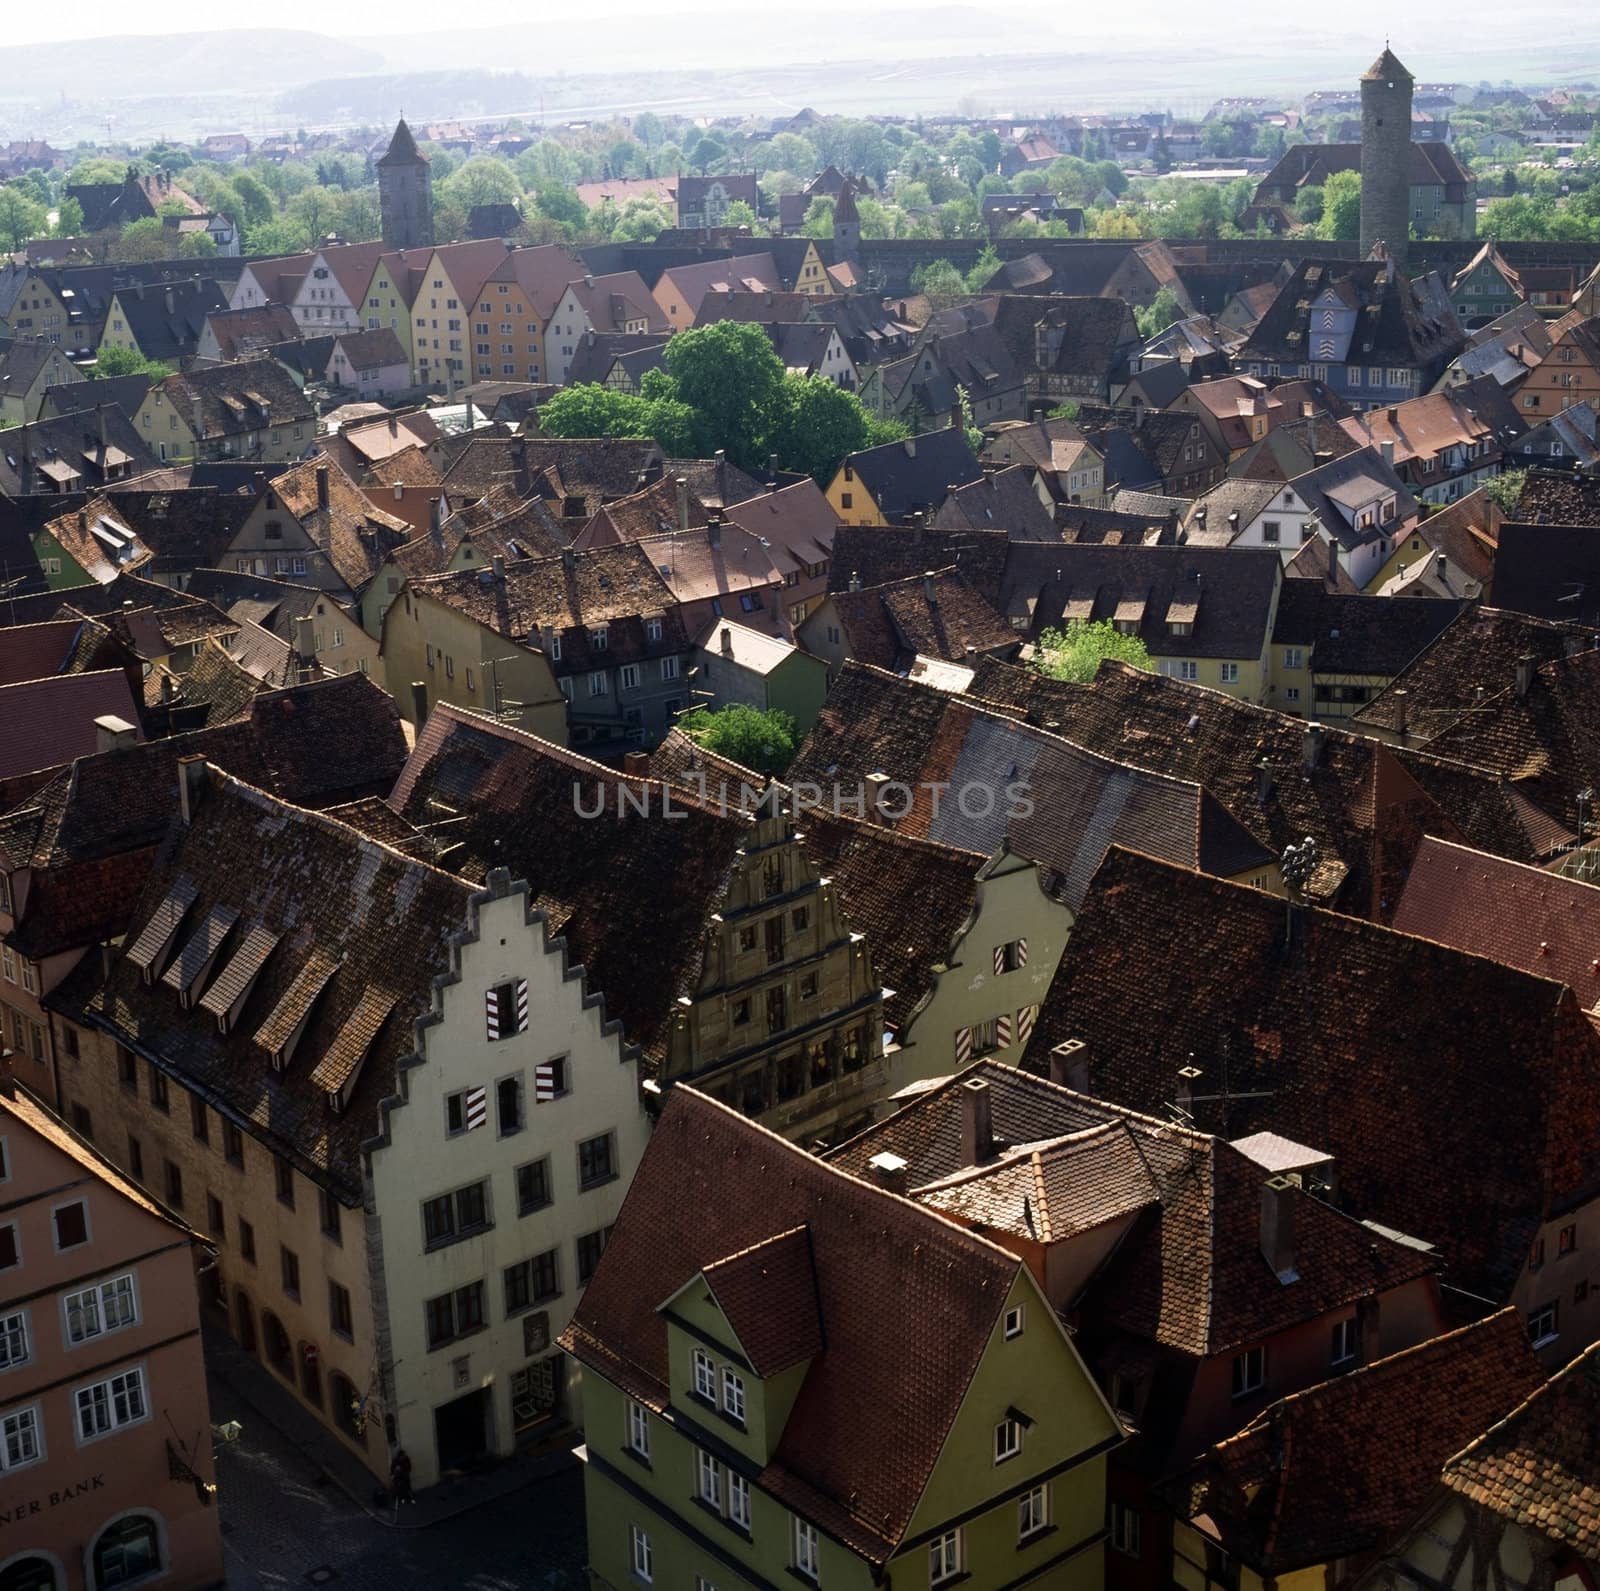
(846, 224)
(1386, 157)
(405, 193)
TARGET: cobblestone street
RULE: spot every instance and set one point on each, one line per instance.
(285, 1525)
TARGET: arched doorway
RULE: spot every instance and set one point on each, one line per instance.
(244, 1320)
(310, 1374)
(275, 1340)
(127, 1549)
(29, 1572)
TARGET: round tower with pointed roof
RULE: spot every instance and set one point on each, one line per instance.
(405, 192)
(846, 224)
(1386, 157)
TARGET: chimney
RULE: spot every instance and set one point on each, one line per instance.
(911, 447)
(399, 492)
(772, 468)
(889, 1171)
(169, 300)
(1263, 782)
(1524, 674)
(1069, 1065)
(1442, 564)
(977, 1123)
(1386, 448)
(322, 487)
(682, 483)
(1278, 1195)
(855, 579)
(877, 783)
(1311, 745)
(191, 785)
(394, 426)
(1333, 564)
(727, 641)
(197, 419)
(305, 647)
(258, 482)
(498, 565)
(714, 530)
(569, 560)
(929, 589)
(112, 733)
(1401, 716)
(83, 522)
(435, 511)
(588, 279)
(636, 764)
(105, 440)
(419, 702)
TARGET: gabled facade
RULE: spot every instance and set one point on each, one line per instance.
(617, 303)
(748, 1377)
(27, 368)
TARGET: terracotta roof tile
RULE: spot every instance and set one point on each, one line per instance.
(769, 1294)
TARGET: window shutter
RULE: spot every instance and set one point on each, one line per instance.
(963, 1046)
(1026, 1017)
(999, 959)
(522, 1005)
(544, 1081)
(477, 1108)
(491, 1014)
(1002, 1030)
(1022, 952)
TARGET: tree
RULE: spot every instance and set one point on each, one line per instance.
(69, 218)
(99, 169)
(141, 240)
(277, 237)
(1506, 490)
(986, 264)
(739, 214)
(255, 202)
(1308, 204)
(1064, 411)
(114, 361)
(196, 246)
(1217, 139)
(817, 425)
(1341, 206)
(484, 180)
(640, 220)
(939, 282)
(21, 217)
(731, 377)
(761, 740)
(1518, 218)
(1074, 653)
(561, 205)
(594, 410)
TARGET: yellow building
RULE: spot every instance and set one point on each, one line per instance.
(887, 485)
(252, 410)
(514, 308)
(447, 293)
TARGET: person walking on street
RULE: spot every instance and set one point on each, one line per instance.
(400, 1478)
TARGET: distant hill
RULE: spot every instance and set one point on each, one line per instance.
(137, 64)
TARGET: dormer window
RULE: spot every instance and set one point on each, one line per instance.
(597, 637)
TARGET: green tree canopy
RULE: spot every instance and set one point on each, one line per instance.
(1162, 311)
(484, 180)
(1074, 652)
(594, 410)
(761, 740)
(69, 218)
(22, 217)
(1341, 207)
(817, 425)
(114, 361)
(730, 375)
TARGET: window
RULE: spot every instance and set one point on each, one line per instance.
(733, 1394)
(1033, 1512)
(508, 1105)
(329, 1215)
(465, 1111)
(232, 1144)
(530, 1282)
(1271, 531)
(108, 1405)
(1536, 1254)
(596, 1161)
(1124, 1530)
(13, 1340)
(533, 1186)
(456, 1314)
(1294, 657)
(705, 1376)
(339, 1317)
(247, 1240)
(643, 1558)
(599, 684)
(71, 1225)
(652, 630)
(505, 1009)
(199, 1119)
(1346, 1340)
(127, 1069)
(1249, 1372)
(1567, 1240)
(1007, 1440)
(1011, 956)
(216, 1221)
(455, 1215)
(638, 1429)
(944, 1557)
(708, 1479)
(1228, 673)
(669, 668)
(105, 1307)
(1292, 694)
(739, 1501)
(808, 990)
(1013, 1326)
(1544, 1325)
(174, 1180)
(630, 676)
(590, 1247)
(552, 1079)
(283, 1175)
(135, 1158)
(805, 1550)
(19, 1439)
(289, 1265)
(158, 1091)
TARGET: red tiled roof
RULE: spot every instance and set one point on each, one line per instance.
(769, 1294)
(47, 722)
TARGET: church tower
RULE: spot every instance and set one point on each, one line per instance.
(846, 224)
(1386, 157)
(405, 193)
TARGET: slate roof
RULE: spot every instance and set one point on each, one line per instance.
(214, 689)
(876, 555)
(67, 453)
(608, 884)
(1233, 593)
(1081, 802)
(47, 722)
(916, 474)
(652, 511)
(1558, 497)
(1539, 1467)
(1004, 500)
(1353, 1034)
(187, 529)
(1096, 334)
(888, 625)
(121, 392)
(1337, 1472)
(242, 331)
(1358, 634)
(355, 536)
(99, 541)
(228, 396)
(166, 321)
(1552, 571)
(33, 651)
(381, 921)
(872, 1416)
(371, 349)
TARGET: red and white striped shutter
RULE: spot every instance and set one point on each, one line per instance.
(544, 1082)
(491, 1013)
(522, 1005)
(999, 958)
(1022, 952)
(1026, 1017)
(963, 1046)
(1002, 1029)
(477, 1108)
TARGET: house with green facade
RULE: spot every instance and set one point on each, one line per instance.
(1485, 288)
(792, 1375)
(739, 665)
